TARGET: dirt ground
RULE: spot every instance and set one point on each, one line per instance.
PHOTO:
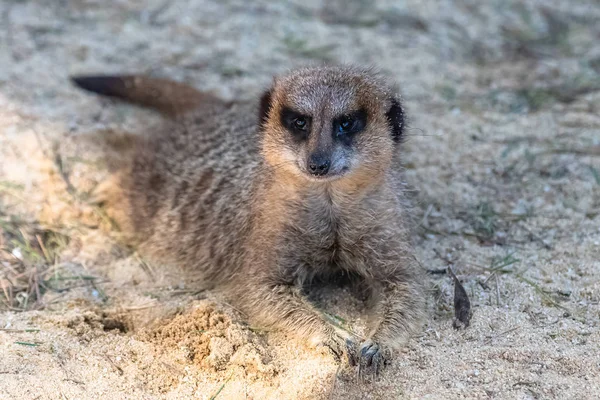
(503, 161)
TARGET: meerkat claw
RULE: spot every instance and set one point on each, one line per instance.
(352, 351)
(336, 346)
(371, 359)
(331, 349)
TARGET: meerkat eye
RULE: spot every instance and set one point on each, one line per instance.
(297, 124)
(300, 123)
(346, 124)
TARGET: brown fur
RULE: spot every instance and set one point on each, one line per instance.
(218, 192)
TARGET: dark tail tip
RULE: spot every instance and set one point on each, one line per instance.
(105, 85)
(168, 97)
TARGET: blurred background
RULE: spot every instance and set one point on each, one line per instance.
(513, 56)
(502, 162)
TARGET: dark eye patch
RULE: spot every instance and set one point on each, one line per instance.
(295, 122)
(346, 126)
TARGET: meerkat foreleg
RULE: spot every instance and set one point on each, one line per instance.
(283, 306)
(396, 312)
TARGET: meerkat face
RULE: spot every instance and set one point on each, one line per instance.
(325, 124)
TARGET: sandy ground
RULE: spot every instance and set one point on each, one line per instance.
(504, 160)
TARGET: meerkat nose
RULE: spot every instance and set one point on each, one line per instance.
(318, 164)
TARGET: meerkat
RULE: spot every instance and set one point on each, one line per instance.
(264, 197)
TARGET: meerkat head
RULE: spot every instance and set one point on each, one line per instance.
(330, 123)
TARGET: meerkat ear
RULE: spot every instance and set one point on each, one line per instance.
(395, 116)
(265, 106)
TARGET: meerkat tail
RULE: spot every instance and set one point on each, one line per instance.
(168, 97)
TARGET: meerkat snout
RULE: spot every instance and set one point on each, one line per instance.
(318, 164)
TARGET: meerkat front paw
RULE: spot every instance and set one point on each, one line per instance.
(370, 359)
(339, 346)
